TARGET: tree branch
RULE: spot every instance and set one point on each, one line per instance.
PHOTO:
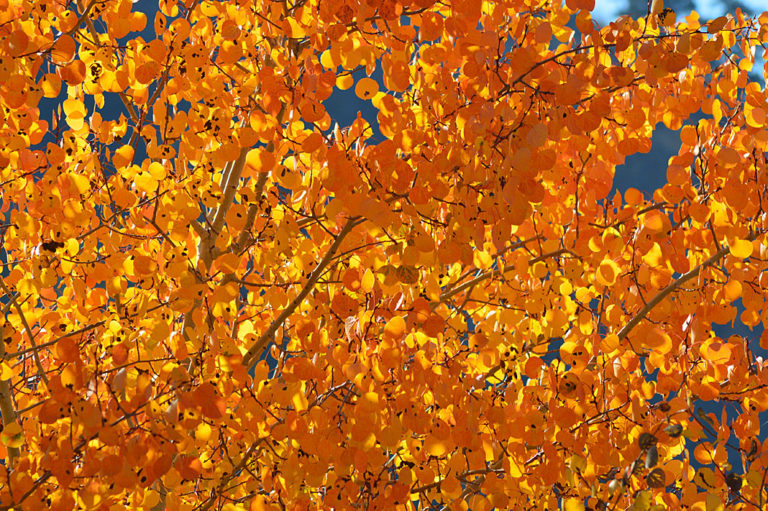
(447, 295)
(208, 237)
(230, 181)
(253, 210)
(219, 491)
(682, 279)
(255, 351)
(199, 229)
(6, 397)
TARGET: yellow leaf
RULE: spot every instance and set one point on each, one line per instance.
(81, 183)
(6, 373)
(51, 85)
(123, 156)
(12, 435)
(72, 246)
(741, 248)
(371, 399)
(435, 446)
(482, 259)
(203, 432)
(157, 170)
(260, 160)
(573, 504)
(367, 282)
(395, 327)
(609, 343)
(654, 256)
(326, 59)
(299, 400)
(345, 82)
(297, 31)
(714, 503)
(151, 498)
(145, 182)
(732, 290)
(74, 108)
(376, 100)
(654, 221)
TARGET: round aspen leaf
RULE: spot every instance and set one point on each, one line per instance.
(259, 160)
(64, 50)
(607, 272)
(366, 88)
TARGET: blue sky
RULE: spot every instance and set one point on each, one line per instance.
(605, 10)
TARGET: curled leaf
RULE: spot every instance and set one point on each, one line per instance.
(615, 485)
(651, 457)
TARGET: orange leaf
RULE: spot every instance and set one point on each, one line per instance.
(189, 467)
(607, 272)
(73, 73)
(344, 82)
(656, 339)
(587, 5)
(366, 88)
(395, 327)
(50, 84)
(147, 72)
(63, 50)
(717, 24)
(728, 156)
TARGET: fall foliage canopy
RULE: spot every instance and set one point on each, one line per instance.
(216, 297)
